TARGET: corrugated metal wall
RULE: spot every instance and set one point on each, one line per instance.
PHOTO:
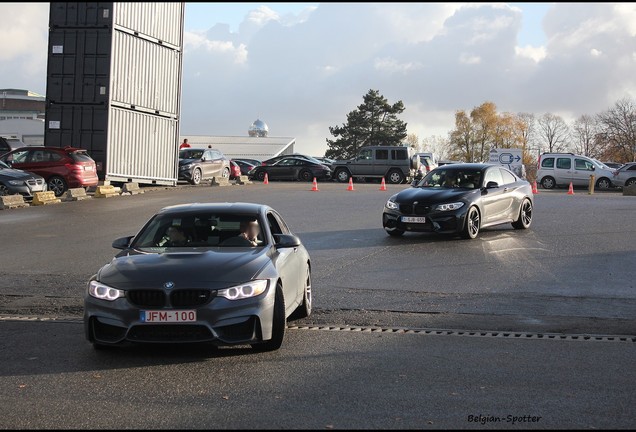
(114, 86)
(141, 146)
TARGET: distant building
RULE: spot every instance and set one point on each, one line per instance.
(21, 104)
(257, 145)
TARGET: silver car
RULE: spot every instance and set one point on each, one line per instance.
(625, 176)
(562, 169)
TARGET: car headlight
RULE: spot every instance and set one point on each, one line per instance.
(251, 289)
(449, 207)
(16, 182)
(391, 205)
(104, 292)
(186, 166)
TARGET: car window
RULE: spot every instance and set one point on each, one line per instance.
(382, 154)
(631, 168)
(274, 226)
(547, 163)
(4, 165)
(78, 156)
(281, 223)
(564, 163)
(366, 154)
(507, 176)
(18, 157)
(493, 175)
(583, 165)
(399, 154)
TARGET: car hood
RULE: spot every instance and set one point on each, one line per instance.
(433, 195)
(17, 174)
(212, 269)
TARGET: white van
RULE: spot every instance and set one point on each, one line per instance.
(561, 169)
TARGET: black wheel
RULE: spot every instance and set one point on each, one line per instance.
(196, 177)
(279, 323)
(225, 173)
(548, 183)
(394, 232)
(304, 310)
(260, 175)
(630, 182)
(471, 228)
(603, 183)
(395, 177)
(342, 175)
(4, 191)
(57, 185)
(525, 215)
(305, 175)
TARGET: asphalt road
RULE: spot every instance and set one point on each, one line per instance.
(416, 332)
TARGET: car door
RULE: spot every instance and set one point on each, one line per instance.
(283, 169)
(583, 169)
(363, 163)
(288, 263)
(210, 164)
(494, 202)
(563, 170)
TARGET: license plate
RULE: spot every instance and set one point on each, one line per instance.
(413, 219)
(88, 168)
(168, 316)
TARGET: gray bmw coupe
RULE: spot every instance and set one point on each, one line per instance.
(227, 274)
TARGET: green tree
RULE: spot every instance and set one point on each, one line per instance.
(374, 122)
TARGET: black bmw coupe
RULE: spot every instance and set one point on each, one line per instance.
(227, 274)
(461, 199)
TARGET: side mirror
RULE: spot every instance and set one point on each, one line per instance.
(122, 243)
(492, 185)
(593, 168)
(286, 241)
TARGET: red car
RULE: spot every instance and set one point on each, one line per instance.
(62, 168)
(235, 170)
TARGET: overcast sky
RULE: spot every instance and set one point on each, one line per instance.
(301, 67)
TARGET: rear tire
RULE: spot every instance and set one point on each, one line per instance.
(260, 175)
(279, 324)
(304, 310)
(342, 175)
(548, 183)
(395, 177)
(603, 183)
(305, 175)
(525, 215)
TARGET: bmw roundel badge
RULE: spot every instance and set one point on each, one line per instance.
(168, 285)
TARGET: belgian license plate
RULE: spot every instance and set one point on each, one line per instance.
(168, 316)
(88, 168)
(413, 219)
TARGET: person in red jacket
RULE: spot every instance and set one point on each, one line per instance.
(185, 144)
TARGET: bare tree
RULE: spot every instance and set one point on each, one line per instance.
(584, 136)
(553, 132)
(413, 142)
(618, 129)
(438, 145)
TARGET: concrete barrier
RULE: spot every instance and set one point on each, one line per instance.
(12, 201)
(220, 181)
(107, 191)
(75, 194)
(131, 189)
(243, 180)
(629, 190)
(44, 198)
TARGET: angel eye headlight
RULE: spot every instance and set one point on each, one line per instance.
(251, 289)
(449, 207)
(104, 292)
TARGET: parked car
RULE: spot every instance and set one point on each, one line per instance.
(245, 166)
(625, 175)
(18, 182)
(254, 162)
(235, 170)
(561, 169)
(196, 165)
(325, 160)
(9, 143)
(613, 165)
(191, 276)
(275, 159)
(62, 168)
(291, 168)
(461, 199)
(395, 164)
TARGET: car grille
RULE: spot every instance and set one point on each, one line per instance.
(178, 298)
(419, 209)
(33, 182)
(170, 333)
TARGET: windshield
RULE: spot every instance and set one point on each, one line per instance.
(190, 154)
(466, 178)
(200, 230)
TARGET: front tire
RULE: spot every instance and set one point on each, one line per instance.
(630, 182)
(225, 173)
(471, 227)
(57, 185)
(525, 215)
(279, 324)
(548, 183)
(196, 177)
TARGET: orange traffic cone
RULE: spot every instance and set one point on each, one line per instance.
(534, 188)
(350, 188)
(383, 185)
(571, 190)
(266, 181)
(314, 188)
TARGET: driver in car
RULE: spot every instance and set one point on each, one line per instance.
(249, 231)
(175, 237)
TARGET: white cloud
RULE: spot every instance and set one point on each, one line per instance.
(533, 53)
(391, 65)
(469, 59)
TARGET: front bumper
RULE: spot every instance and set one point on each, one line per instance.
(185, 174)
(449, 222)
(219, 321)
(27, 189)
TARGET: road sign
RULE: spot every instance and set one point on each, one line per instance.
(511, 158)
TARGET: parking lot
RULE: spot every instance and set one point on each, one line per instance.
(568, 277)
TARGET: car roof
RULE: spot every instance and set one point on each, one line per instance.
(226, 207)
(67, 148)
(472, 165)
